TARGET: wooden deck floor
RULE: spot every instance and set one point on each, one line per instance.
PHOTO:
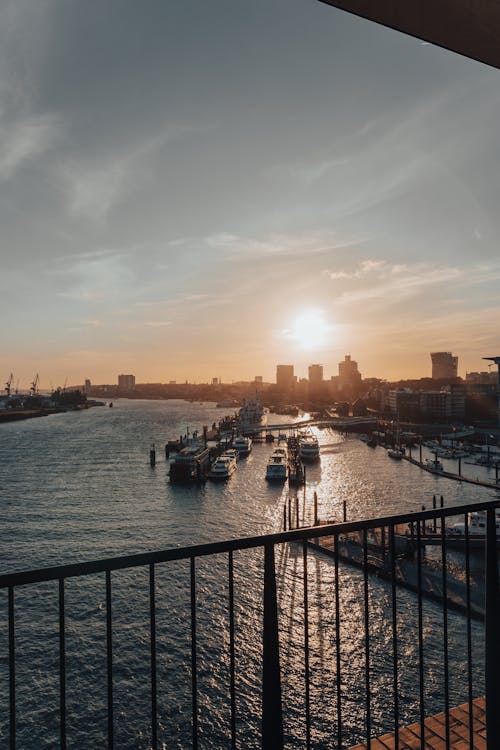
(435, 732)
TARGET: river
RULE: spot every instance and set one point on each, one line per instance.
(78, 486)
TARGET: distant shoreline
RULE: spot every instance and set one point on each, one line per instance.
(15, 415)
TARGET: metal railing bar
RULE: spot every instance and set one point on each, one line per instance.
(62, 665)
(492, 641)
(12, 672)
(337, 646)
(272, 712)
(213, 548)
(194, 674)
(445, 634)
(109, 651)
(306, 649)
(367, 639)
(420, 639)
(469, 630)
(392, 548)
(232, 657)
(154, 676)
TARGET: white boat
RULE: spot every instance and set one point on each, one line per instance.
(243, 445)
(277, 467)
(434, 464)
(395, 453)
(308, 448)
(476, 524)
(233, 452)
(223, 467)
(251, 415)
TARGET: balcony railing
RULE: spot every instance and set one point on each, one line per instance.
(410, 551)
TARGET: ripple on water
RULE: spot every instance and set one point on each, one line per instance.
(79, 487)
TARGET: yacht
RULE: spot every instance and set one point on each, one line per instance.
(308, 448)
(223, 467)
(243, 445)
(277, 467)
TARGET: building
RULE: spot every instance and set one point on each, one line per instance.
(445, 405)
(349, 375)
(315, 375)
(126, 382)
(444, 366)
(285, 379)
(87, 386)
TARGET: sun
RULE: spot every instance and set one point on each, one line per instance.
(310, 330)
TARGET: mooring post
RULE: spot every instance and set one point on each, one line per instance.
(272, 716)
(420, 446)
(434, 505)
(289, 512)
(315, 508)
(284, 517)
(152, 455)
(344, 510)
(492, 629)
(297, 511)
(460, 466)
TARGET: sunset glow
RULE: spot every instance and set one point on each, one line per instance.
(183, 213)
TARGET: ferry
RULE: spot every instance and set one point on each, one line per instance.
(243, 445)
(308, 448)
(223, 467)
(252, 415)
(277, 467)
(191, 463)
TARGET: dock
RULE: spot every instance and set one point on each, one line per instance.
(450, 475)
(434, 731)
(350, 551)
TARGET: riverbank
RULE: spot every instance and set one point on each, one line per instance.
(14, 415)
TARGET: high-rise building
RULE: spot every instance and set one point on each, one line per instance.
(315, 374)
(349, 374)
(444, 365)
(126, 382)
(285, 378)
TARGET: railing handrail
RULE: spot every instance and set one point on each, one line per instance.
(141, 559)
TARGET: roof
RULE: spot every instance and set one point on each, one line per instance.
(469, 27)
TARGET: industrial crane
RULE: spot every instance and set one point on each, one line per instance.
(8, 384)
(34, 386)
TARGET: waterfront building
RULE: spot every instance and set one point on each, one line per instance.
(349, 377)
(126, 382)
(444, 365)
(315, 375)
(285, 379)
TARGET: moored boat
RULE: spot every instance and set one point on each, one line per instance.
(223, 467)
(309, 448)
(277, 467)
(190, 463)
(252, 415)
(243, 445)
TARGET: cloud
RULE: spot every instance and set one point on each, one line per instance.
(94, 189)
(23, 139)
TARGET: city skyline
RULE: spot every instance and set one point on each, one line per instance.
(189, 192)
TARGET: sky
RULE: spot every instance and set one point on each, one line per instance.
(192, 190)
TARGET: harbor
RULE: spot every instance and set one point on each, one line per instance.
(100, 497)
